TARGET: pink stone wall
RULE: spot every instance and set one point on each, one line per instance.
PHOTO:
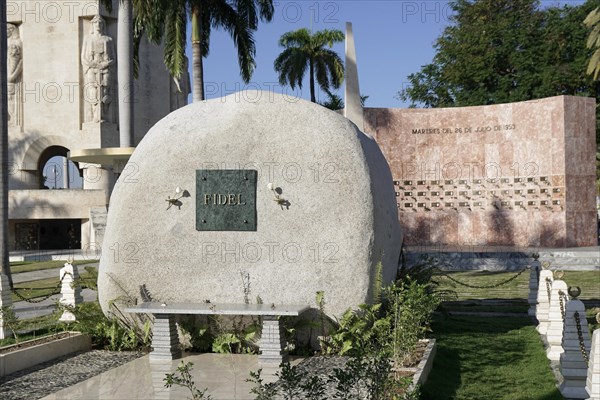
(519, 174)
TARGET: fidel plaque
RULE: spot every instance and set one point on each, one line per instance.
(226, 200)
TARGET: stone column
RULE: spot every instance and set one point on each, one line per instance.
(125, 72)
(5, 301)
(272, 343)
(165, 342)
(66, 177)
(353, 109)
(558, 301)
(534, 277)
(593, 375)
(573, 365)
(70, 291)
(96, 176)
(543, 300)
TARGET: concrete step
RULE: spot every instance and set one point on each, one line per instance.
(572, 259)
(504, 259)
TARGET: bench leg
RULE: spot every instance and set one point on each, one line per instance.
(165, 342)
(272, 343)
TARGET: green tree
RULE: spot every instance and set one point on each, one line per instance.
(304, 49)
(334, 101)
(592, 21)
(167, 19)
(498, 51)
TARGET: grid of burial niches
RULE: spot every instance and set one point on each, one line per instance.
(541, 193)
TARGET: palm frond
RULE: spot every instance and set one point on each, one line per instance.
(291, 66)
(298, 38)
(175, 38)
(328, 37)
(228, 18)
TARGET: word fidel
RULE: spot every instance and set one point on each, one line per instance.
(466, 129)
(224, 199)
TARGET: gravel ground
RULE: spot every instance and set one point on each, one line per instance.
(52, 376)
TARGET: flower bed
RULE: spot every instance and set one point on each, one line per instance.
(23, 355)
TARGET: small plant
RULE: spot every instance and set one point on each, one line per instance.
(10, 320)
(196, 333)
(240, 341)
(183, 377)
(262, 390)
(290, 379)
(320, 298)
(313, 388)
(110, 333)
(348, 380)
(360, 332)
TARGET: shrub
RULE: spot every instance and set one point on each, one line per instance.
(111, 333)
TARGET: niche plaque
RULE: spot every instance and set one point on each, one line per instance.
(226, 200)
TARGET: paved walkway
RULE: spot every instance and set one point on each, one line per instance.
(45, 273)
(91, 253)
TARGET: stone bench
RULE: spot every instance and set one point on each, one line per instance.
(165, 341)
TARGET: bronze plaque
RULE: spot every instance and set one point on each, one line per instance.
(226, 200)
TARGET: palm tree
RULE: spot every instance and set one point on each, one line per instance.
(302, 49)
(168, 18)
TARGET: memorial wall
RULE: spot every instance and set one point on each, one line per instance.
(519, 174)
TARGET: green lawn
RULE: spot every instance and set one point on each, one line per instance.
(489, 358)
(27, 266)
(514, 306)
(42, 287)
(588, 281)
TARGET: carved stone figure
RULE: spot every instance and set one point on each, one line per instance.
(15, 75)
(97, 58)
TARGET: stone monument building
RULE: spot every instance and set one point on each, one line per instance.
(519, 174)
(62, 96)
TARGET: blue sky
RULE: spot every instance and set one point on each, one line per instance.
(394, 38)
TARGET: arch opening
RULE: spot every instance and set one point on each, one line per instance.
(56, 171)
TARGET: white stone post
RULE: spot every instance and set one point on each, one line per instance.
(543, 300)
(5, 301)
(573, 365)
(558, 301)
(165, 341)
(272, 343)
(70, 291)
(353, 109)
(534, 273)
(593, 375)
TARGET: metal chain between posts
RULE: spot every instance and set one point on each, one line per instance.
(562, 296)
(486, 286)
(580, 335)
(55, 291)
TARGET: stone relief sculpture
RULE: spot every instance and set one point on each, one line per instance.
(97, 56)
(15, 75)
